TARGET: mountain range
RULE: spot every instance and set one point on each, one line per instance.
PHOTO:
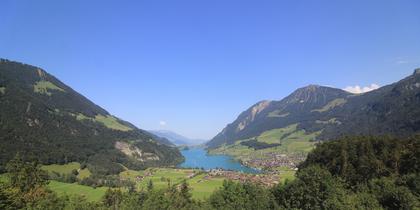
(327, 113)
(176, 138)
(43, 117)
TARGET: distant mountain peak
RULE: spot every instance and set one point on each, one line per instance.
(176, 138)
(315, 94)
(311, 87)
(331, 112)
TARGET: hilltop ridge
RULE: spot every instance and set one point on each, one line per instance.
(332, 112)
(46, 118)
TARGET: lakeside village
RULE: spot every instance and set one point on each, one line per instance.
(272, 162)
(271, 166)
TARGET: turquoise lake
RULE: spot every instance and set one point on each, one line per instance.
(198, 158)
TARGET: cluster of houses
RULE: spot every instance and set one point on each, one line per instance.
(147, 173)
(268, 180)
(273, 160)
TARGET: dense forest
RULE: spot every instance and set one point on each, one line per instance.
(48, 119)
(255, 144)
(351, 173)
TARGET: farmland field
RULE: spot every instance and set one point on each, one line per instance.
(67, 169)
(200, 187)
(61, 169)
(90, 193)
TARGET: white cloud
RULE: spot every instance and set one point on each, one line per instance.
(402, 61)
(357, 89)
(162, 123)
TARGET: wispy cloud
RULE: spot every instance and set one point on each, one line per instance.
(162, 123)
(402, 61)
(358, 89)
(407, 60)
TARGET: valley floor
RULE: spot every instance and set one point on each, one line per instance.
(202, 183)
(283, 149)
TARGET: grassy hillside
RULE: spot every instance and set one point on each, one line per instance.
(67, 169)
(44, 118)
(62, 169)
(302, 108)
(291, 140)
(329, 113)
(90, 193)
(61, 188)
(200, 187)
(352, 173)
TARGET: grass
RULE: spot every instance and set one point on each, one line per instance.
(275, 135)
(330, 121)
(286, 174)
(90, 193)
(67, 169)
(61, 169)
(131, 174)
(4, 178)
(108, 121)
(331, 105)
(81, 116)
(278, 113)
(200, 188)
(85, 173)
(43, 87)
(112, 123)
(291, 140)
(160, 176)
(237, 151)
(299, 141)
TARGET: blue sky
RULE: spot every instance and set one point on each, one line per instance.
(193, 66)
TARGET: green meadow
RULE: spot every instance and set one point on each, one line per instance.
(108, 121)
(291, 140)
(286, 173)
(61, 169)
(61, 188)
(67, 169)
(200, 187)
(90, 193)
(43, 87)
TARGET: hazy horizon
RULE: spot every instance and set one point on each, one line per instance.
(192, 67)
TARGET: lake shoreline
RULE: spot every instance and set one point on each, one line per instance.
(199, 158)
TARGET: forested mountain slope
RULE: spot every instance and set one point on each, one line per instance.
(43, 117)
(328, 113)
